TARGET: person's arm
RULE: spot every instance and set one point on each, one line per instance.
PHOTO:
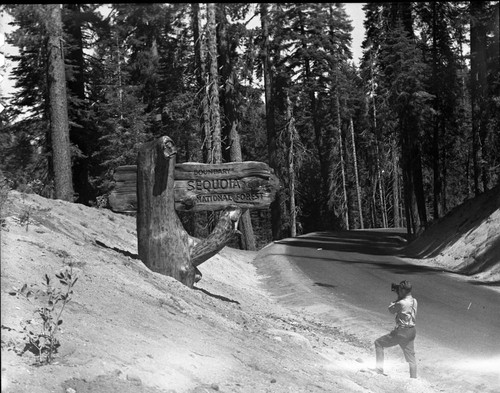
(394, 307)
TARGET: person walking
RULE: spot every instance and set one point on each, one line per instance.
(405, 308)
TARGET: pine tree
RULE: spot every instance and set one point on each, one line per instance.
(230, 97)
(117, 109)
(31, 134)
(78, 23)
(32, 94)
(403, 73)
(270, 115)
(215, 155)
(307, 64)
(434, 20)
(201, 77)
(59, 123)
(484, 65)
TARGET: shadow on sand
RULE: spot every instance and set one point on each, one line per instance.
(220, 297)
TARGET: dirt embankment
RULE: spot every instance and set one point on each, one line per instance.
(466, 240)
(130, 330)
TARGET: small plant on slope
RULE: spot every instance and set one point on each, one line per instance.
(44, 343)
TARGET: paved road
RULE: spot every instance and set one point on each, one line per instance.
(359, 266)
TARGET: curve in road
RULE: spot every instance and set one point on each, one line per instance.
(354, 269)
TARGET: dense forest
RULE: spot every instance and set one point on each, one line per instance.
(397, 141)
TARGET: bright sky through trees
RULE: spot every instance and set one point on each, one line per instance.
(356, 13)
(354, 10)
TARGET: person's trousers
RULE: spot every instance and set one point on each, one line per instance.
(404, 337)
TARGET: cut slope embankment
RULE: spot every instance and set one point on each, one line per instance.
(466, 240)
(130, 330)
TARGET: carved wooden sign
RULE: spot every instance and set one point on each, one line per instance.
(197, 186)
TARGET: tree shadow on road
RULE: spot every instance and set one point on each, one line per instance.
(395, 266)
(485, 283)
(366, 242)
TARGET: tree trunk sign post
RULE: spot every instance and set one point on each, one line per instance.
(157, 187)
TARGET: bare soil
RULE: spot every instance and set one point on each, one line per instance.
(130, 330)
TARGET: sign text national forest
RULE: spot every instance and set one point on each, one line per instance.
(197, 187)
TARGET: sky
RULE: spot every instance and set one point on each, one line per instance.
(354, 10)
(357, 15)
(6, 84)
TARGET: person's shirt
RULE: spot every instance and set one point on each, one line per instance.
(405, 310)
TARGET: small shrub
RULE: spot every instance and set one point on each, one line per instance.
(62, 254)
(101, 201)
(25, 217)
(44, 342)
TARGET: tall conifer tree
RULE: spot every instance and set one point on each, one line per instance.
(59, 123)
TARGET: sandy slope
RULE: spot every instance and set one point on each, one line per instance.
(466, 240)
(130, 330)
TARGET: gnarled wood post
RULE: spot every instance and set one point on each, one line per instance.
(163, 244)
(226, 227)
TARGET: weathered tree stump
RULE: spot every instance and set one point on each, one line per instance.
(163, 244)
(162, 241)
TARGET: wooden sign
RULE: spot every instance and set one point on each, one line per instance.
(198, 187)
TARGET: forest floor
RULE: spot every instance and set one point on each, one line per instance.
(130, 330)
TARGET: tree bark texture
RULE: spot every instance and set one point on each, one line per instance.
(380, 181)
(270, 117)
(478, 92)
(436, 121)
(248, 236)
(407, 181)
(59, 123)
(444, 176)
(201, 79)
(356, 175)
(216, 156)
(229, 101)
(80, 134)
(342, 165)
(419, 184)
(291, 167)
(378, 177)
(395, 186)
(163, 244)
(119, 69)
(227, 81)
(325, 146)
(223, 232)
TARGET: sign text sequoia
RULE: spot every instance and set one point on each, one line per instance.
(197, 186)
